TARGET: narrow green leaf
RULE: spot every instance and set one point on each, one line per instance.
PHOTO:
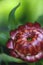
(12, 13)
(6, 58)
(12, 23)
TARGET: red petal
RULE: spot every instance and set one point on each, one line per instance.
(36, 24)
(10, 44)
(21, 27)
(30, 24)
(12, 53)
(12, 34)
(39, 56)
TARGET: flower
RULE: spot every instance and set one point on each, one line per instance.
(26, 42)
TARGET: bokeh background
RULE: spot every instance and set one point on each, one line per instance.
(12, 14)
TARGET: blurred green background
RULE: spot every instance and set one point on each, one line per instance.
(14, 13)
(28, 11)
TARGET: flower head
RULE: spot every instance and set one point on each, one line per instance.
(26, 42)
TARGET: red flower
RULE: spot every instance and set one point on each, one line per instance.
(26, 42)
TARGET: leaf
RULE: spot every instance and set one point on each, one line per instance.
(40, 20)
(12, 23)
(4, 34)
(6, 58)
(11, 14)
(40, 62)
(4, 37)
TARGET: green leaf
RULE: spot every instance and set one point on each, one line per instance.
(6, 58)
(31, 63)
(40, 62)
(12, 23)
(4, 36)
(40, 20)
(11, 14)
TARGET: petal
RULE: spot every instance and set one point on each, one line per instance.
(30, 24)
(12, 34)
(36, 24)
(31, 59)
(10, 44)
(39, 55)
(14, 54)
(21, 27)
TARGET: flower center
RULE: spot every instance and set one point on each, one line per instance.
(29, 39)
